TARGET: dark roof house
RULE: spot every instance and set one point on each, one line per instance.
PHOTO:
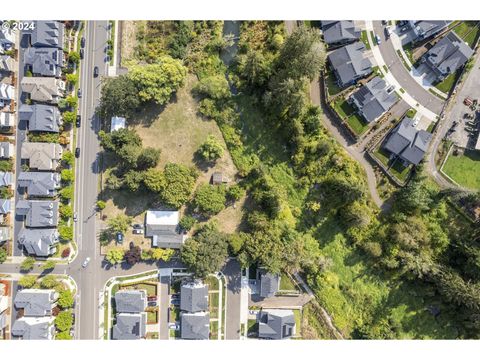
(41, 117)
(130, 301)
(340, 32)
(46, 33)
(350, 63)
(424, 29)
(39, 183)
(276, 324)
(38, 213)
(408, 143)
(162, 227)
(447, 56)
(130, 326)
(36, 302)
(44, 61)
(38, 242)
(194, 297)
(374, 99)
(195, 326)
(269, 284)
(42, 156)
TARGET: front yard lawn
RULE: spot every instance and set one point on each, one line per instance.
(357, 124)
(464, 169)
(152, 317)
(150, 288)
(331, 81)
(364, 39)
(214, 330)
(446, 85)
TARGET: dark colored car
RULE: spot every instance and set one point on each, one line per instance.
(137, 226)
(82, 42)
(81, 53)
(77, 152)
(79, 93)
(79, 120)
(119, 238)
(95, 71)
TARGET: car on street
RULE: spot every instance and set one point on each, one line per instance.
(173, 326)
(82, 42)
(85, 262)
(79, 93)
(77, 152)
(82, 53)
(377, 39)
(79, 120)
(75, 217)
(95, 71)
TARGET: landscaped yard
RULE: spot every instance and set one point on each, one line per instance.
(347, 112)
(286, 283)
(446, 85)
(152, 317)
(397, 169)
(364, 38)
(331, 82)
(151, 288)
(464, 169)
(298, 322)
(468, 31)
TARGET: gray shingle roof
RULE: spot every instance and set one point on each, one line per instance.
(39, 183)
(448, 55)
(39, 213)
(47, 33)
(426, 28)
(195, 326)
(373, 100)
(42, 156)
(43, 89)
(276, 324)
(6, 178)
(6, 150)
(36, 302)
(162, 227)
(4, 234)
(44, 61)
(130, 301)
(40, 328)
(130, 326)
(38, 242)
(5, 206)
(41, 117)
(269, 284)
(350, 63)
(194, 297)
(407, 142)
(7, 63)
(336, 32)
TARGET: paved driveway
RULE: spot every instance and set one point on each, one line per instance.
(233, 274)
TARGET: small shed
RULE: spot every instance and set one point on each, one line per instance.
(218, 178)
(117, 123)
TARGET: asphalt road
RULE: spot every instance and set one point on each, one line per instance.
(401, 74)
(233, 274)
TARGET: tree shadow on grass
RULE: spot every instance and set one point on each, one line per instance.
(150, 112)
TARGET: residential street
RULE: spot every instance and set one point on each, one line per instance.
(233, 272)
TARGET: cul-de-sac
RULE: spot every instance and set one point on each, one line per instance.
(239, 180)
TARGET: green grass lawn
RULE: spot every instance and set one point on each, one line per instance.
(411, 113)
(252, 328)
(286, 283)
(431, 126)
(364, 39)
(399, 171)
(211, 282)
(382, 155)
(446, 85)
(464, 169)
(468, 31)
(174, 314)
(151, 289)
(152, 317)
(298, 322)
(358, 125)
(214, 330)
(347, 112)
(332, 86)
(213, 303)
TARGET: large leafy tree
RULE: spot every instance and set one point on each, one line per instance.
(154, 180)
(115, 256)
(179, 183)
(214, 87)
(27, 281)
(206, 252)
(210, 199)
(27, 264)
(212, 149)
(148, 158)
(3, 255)
(64, 321)
(116, 140)
(65, 299)
(119, 223)
(119, 97)
(157, 82)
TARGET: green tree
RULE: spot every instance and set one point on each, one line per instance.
(212, 149)
(210, 199)
(118, 139)
(154, 180)
(101, 204)
(49, 282)
(71, 101)
(187, 222)
(49, 265)
(119, 98)
(133, 179)
(235, 192)
(3, 255)
(180, 39)
(64, 321)
(66, 233)
(179, 183)
(74, 57)
(27, 281)
(113, 182)
(129, 155)
(148, 158)
(214, 87)
(64, 335)
(27, 264)
(157, 82)
(67, 193)
(71, 79)
(206, 252)
(119, 223)
(236, 241)
(65, 299)
(69, 117)
(68, 157)
(67, 175)
(115, 256)
(255, 68)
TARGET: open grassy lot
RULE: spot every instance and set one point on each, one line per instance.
(464, 169)
(468, 31)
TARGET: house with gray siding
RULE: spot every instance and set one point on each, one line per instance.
(39, 242)
(34, 328)
(41, 117)
(130, 301)
(7, 64)
(39, 183)
(350, 63)
(276, 324)
(339, 32)
(6, 150)
(194, 296)
(4, 234)
(195, 326)
(130, 326)
(374, 99)
(423, 29)
(45, 61)
(41, 156)
(269, 284)
(162, 227)
(47, 90)
(36, 302)
(38, 213)
(6, 178)
(7, 119)
(46, 33)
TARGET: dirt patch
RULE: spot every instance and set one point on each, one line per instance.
(129, 38)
